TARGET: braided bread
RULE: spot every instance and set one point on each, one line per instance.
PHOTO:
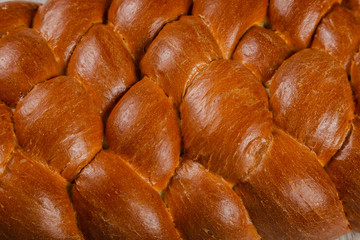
(179, 119)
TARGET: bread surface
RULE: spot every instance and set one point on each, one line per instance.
(179, 119)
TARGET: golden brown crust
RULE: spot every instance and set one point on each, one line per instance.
(339, 35)
(113, 202)
(144, 127)
(63, 22)
(290, 196)
(225, 119)
(262, 51)
(229, 19)
(296, 20)
(16, 14)
(104, 67)
(138, 21)
(25, 61)
(344, 171)
(355, 80)
(205, 207)
(34, 203)
(7, 136)
(311, 99)
(180, 51)
(219, 108)
(57, 123)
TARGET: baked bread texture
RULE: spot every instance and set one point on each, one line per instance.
(179, 119)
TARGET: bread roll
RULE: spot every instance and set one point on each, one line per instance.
(179, 119)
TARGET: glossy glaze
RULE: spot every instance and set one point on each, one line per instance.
(180, 51)
(7, 136)
(227, 126)
(63, 22)
(34, 203)
(113, 202)
(138, 21)
(16, 14)
(355, 80)
(57, 123)
(262, 51)
(311, 99)
(144, 127)
(229, 19)
(205, 207)
(25, 60)
(339, 35)
(104, 67)
(296, 20)
(344, 171)
(290, 196)
(225, 119)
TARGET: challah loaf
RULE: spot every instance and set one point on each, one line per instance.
(179, 119)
